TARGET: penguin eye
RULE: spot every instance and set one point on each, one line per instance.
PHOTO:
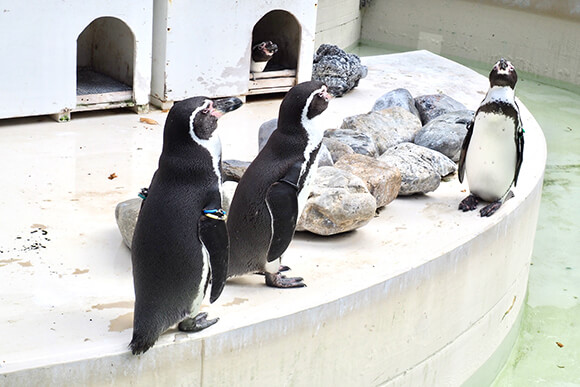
(205, 111)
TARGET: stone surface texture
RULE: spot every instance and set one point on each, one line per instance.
(359, 142)
(339, 202)
(234, 169)
(398, 97)
(434, 105)
(383, 181)
(336, 148)
(339, 70)
(446, 133)
(387, 127)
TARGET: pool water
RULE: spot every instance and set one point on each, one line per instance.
(547, 351)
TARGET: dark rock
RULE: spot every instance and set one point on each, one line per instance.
(445, 133)
(387, 127)
(339, 202)
(434, 105)
(340, 71)
(233, 169)
(383, 180)
(359, 142)
(397, 97)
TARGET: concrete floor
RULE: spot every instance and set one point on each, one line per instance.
(67, 308)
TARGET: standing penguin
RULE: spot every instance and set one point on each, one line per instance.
(180, 243)
(273, 191)
(493, 149)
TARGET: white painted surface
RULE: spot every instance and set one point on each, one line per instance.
(338, 23)
(39, 51)
(196, 55)
(422, 295)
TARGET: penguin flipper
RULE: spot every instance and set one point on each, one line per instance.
(214, 236)
(282, 202)
(463, 155)
(519, 152)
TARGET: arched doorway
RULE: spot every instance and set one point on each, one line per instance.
(105, 65)
(282, 28)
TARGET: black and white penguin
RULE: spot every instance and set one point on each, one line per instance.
(180, 243)
(493, 149)
(261, 54)
(273, 191)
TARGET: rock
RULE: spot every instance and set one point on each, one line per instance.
(324, 157)
(232, 170)
(265, 131)
(421, 168)
(397, 97)
(359, 142)
(126, 214)
(434, 105)
(336, 148)
(339, 202)
(445, 133)
(228, 190)
(383, 181)
(340, 71)
(387, 127)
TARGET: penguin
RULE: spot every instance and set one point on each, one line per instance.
(261, 54)
(272, 192)
(493, 148)
(180, 243)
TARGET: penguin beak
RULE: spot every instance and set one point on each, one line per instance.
(503, 64)
(221, 106)
(325, 94)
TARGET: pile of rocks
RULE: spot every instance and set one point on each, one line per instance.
(403, 146)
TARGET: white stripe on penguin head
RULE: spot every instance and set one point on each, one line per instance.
(313, 130)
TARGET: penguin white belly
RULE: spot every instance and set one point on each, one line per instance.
(491, 158)
(196, 304)
(257, 67)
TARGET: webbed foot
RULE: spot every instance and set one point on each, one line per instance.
(278, 280)
(197, 323)
(469, 203)
(490, 209)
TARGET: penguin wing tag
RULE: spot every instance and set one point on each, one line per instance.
(461, 166)
(282, 202)
(213, 234)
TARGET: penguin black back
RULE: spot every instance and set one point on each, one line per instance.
(266, 205)
(172, 240)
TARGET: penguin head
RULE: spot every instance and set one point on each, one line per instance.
(503, 74)
(264, 50)
(197, 117)
(303, 103)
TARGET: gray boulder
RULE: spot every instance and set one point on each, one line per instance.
(234, 169)
(339, 202)
(387, 127)
(434, 105)
(421, 168)
(445, 133)
(339, 70)
(126, 214)
(324, 157)
(359, 142)
(383, 180)
(336, 148)
(397, 97)
(265, 131)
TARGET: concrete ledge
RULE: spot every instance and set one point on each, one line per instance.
(422, 295)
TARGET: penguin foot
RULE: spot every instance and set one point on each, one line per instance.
(490, 209)
(281, 269)
(469, 203)
(278, 280)
(197, 323)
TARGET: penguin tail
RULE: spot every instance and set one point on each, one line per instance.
(141, 343)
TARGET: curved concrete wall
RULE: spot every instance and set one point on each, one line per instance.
(540, 37)
(422, 295)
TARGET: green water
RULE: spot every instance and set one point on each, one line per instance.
(552, 311)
